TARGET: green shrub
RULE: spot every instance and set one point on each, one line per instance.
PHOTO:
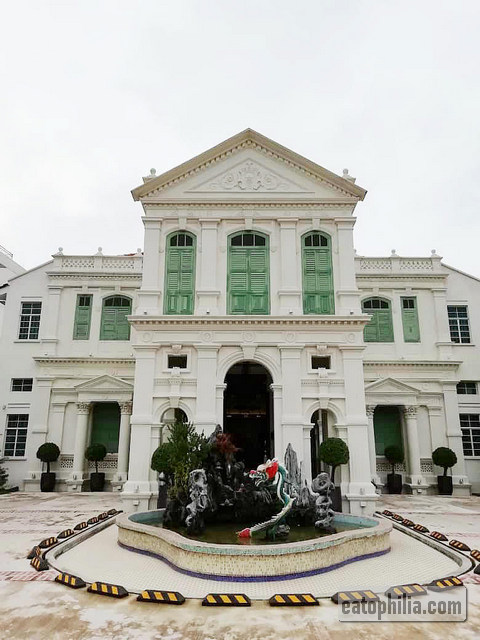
(95, 453)
(394, 455)
(445, 458)
(334, 452)
(48, 452)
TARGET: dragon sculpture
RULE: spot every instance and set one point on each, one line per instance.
(273, 475)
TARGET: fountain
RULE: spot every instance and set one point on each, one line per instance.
(290, 529)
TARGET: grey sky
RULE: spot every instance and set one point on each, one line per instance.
(93, 94)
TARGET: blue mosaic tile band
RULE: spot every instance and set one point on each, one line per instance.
(288, 576)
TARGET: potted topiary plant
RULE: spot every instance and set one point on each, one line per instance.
(48, 452)
(446, 458)
(95, 453)
(394, 455)
(334, 452)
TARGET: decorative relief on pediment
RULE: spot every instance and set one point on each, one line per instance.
(250, 177)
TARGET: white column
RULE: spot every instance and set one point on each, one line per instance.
(207, 291)
(346, 285)
(371, 443)
(416, 478)
(149, 296)
(83, 411)
(361, 493)
(205, 414)
(123, 440)
(454, 433)
(289, 292)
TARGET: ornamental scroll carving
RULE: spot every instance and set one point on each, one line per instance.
(251, 177)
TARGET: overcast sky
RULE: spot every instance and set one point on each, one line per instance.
(94, 94)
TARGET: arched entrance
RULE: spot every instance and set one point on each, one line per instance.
(248, 412)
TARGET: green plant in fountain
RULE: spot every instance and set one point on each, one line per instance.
(445, 458)
(184, 451)
(334, 452)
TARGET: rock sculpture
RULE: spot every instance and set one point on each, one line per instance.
(198, 493)
(324, 514)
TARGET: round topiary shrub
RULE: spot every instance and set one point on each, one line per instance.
(394, 455)
(334, 452)
(95, 453)
(48, 452)
(445, 458)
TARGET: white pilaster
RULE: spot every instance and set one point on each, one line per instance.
(444, 344)
(279, 448)
(348, 298)
(149, 297)
(207, 292)
(454, 437)
(123, 441)
(50, 327)
(290, 295)
(292, 418)
(206, 414)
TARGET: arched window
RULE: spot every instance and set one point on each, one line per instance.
(380, 327)
(114, 324)
(248, 277)
(180, 274)
(317, 273)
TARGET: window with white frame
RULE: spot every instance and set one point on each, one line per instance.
(16, 435)
(22, 384)
(458, 323)
(30, 321)
(467, 388)
(470, 425)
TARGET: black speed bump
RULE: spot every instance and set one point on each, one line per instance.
(39, 563)
(293, 600)
(112, 512)
(161, 597)
(445, 584)
(48, 542)
(461, 546)
(408, 523)
(66, 534)
(386, 512)
(106, 589)
(226, 600)
(438, 536)
(102, 516)
(36, 551)
(406, 591)
(421, 528)
(80, 526)
(396, 517)
(475, 553)
(93, 520)
(70, 581)
(354, 596)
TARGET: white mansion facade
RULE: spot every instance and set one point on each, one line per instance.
(250, 309)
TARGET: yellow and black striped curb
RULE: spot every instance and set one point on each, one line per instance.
(36, 551)
(461, 546)
(102, 516)
(105, 589)
(408, 523)
(70, 581)
(161, 597)
(438, 536)
(293, 600)
(420, 528)
(93, 520)
(406, 591)
(66, 534)
(80, 526)
(388, 513)
(354, 596)
(48, 542)
(396, 517)
(226, 600)
(475, 553)
(445, 584)
(39, 563)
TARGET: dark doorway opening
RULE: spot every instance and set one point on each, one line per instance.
(318, 433)
(248, 412)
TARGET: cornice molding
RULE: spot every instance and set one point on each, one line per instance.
(302, 322)
(87, 275)
(45, 360)
(426, 364)
(236, 203)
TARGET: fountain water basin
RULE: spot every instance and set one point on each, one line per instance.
(366, 538)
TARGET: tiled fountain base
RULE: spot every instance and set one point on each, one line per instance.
(100, 558)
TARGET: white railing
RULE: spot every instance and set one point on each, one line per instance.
(98, 262)
(397, 265)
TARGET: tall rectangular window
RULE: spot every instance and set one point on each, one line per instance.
(16, 435)
(467, 388)
(458, 322)
(30, 321)
(411, 330)
(22, 384)
(83, 313)
(470, 425)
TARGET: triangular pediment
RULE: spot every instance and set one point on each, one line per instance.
(252, 167)
(104, 383)
(390, 385)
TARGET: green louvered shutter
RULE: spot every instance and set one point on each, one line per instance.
(238, 280)
(83, 311)
(258, 276)
(248, 280)
(411, 330)
(115, 325)
(380, 327)
(317, 281)
(180, 280)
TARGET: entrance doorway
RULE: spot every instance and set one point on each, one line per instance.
(387, 425)
(106, 425)
(318, 433)
(248, 412)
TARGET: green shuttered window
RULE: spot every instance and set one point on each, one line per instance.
(114, 318)
(248, 274)
(380, 327)
(411, 330)
(180, 274)
(83, 313)
(317, 274)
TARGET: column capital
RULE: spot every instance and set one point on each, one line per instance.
(370, 409)
(125, 407)
(410, 411)
(83, 407)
